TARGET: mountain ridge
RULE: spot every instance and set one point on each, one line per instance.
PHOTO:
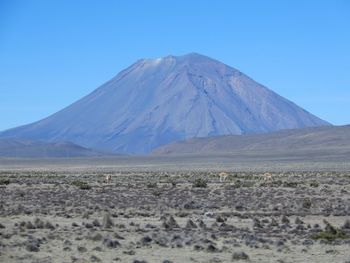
(317, 140)
(157, 101)
(23, 148)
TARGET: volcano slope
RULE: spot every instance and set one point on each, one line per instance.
(158, 101)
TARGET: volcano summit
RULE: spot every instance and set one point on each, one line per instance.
(157, 101)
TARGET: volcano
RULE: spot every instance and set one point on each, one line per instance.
(158, 101)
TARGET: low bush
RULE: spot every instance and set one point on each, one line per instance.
(4, 181)
(173, 183)
(240, 183)
(81, 185)
(157, 192)
(307, 203)
(330, 233)
(275, 183)
(200, 183)
(152, 185)
(314, 184)
(290, 184)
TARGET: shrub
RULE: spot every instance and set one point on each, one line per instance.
(329, 236)
(346, 224)
(275, 183)
(248, 184)
(173, 183)
(237, 184)
(239, 256)
(4, 181)
(314, 184)
(234, 175)
(307, 203)
(200, 183)
(285, 220)
(290, 184)
(330, 233)
(82, 185)
(151, 185)
(157, 192)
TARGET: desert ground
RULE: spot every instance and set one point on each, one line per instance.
(174, 211)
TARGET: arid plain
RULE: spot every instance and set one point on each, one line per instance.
(174, 209)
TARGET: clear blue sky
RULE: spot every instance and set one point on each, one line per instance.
(54, 52)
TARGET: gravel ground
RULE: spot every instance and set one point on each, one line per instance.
(49, 215)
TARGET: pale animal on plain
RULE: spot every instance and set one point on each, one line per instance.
(223, 176)
(267, 176)
(108, 178)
